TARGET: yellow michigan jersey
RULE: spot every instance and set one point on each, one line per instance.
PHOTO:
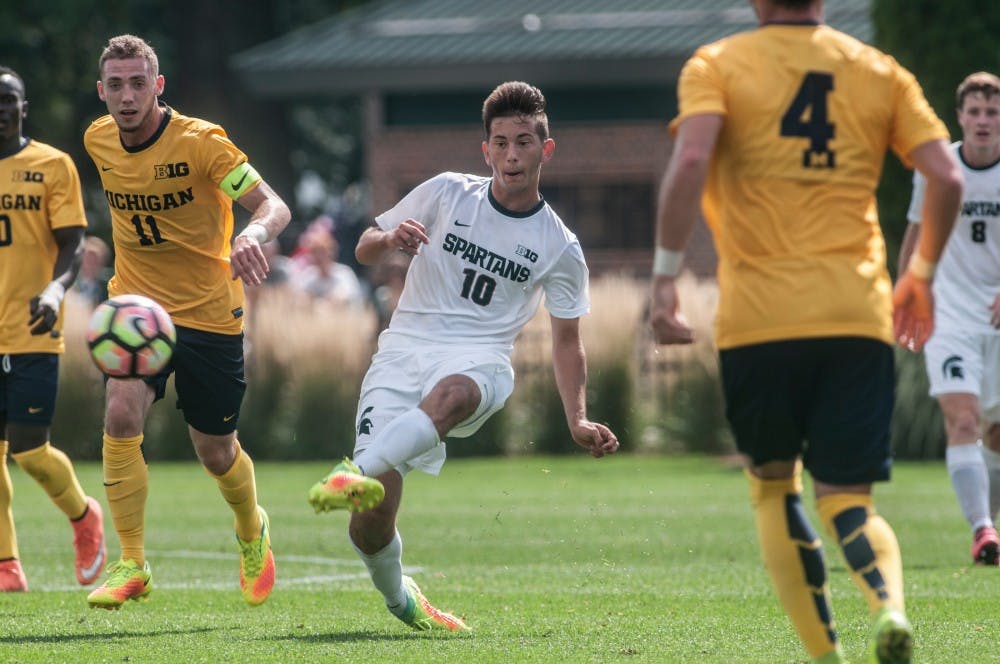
(39, 192)
(171, 204)
(809, 113)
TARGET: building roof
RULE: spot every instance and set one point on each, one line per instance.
(412, 45)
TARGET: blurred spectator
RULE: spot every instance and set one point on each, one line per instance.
(279, 264)
(301, 255)
(323, 277)
(278, 275)
(92, 283)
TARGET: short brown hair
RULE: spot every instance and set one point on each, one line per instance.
(982, 81)
(124, 47)
(520, 100)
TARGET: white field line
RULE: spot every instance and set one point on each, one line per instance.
(283, 579)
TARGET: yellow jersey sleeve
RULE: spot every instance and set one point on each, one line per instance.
(700, 89)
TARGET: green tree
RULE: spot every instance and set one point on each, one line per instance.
(941, 43)
(55, 46)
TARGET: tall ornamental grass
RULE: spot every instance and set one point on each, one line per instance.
(305, 361)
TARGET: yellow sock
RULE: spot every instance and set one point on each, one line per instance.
(239, 488)
(793, 556)
(8, 536)
(126, 484)
(54, 472)
(869, 545)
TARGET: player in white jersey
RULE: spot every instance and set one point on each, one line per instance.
(484, 251)
(963, 354)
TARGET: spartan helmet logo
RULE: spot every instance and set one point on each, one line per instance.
(365, 424)
(952, 368)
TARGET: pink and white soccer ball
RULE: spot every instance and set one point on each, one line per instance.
(131, 336)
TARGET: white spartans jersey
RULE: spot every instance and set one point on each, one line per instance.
(481, 278)
(968, 275)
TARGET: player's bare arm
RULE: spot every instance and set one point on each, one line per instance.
(570, 363)
(270, 215)
(44, 307)
(375, 243)
(913, 302)
(678, 210)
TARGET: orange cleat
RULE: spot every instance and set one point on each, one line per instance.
(12, 579)
(88, 541)
(257, 564)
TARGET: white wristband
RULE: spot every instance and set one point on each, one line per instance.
(257, 232)
(667, 262)
(52, 296)
(920, 267)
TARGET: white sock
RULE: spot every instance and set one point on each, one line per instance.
(386, 569)
(406, 437)
(992, 460)
(970, 483)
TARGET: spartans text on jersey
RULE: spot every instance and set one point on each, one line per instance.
(486, 259)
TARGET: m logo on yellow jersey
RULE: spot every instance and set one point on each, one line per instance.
(167, 171)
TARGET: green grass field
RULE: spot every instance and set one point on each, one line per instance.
(626, 559)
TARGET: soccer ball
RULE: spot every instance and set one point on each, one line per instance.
(130, 336)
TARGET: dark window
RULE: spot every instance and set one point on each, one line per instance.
(606, 215)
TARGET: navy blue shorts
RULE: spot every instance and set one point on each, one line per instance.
(209, 378)
(28, 386)
(828, 400)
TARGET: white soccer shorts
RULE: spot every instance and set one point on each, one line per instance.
(398, 380)
(966, 363)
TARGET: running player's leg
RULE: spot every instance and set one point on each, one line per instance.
(991, 456)
(32, 380)
(955, 369)
(848, 433)
(766, 389)
(126, 486)
(210, 387)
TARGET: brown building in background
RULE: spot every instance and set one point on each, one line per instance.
(608, 69)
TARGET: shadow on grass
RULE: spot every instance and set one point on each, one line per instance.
(105, 636)
(353, 637)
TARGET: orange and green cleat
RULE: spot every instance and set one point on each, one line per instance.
(892, 638)
(126, 580)
(421, 616)
(986, 547)
(12, 579)
(346, 488)
(257, 564)
(88, 542)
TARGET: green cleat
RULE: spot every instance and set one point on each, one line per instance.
(257, 564)
(346, 488)
(126, 581)
(892, 638)
(421, 616)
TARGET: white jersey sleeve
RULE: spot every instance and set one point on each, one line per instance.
(968, 276)
(482, 276)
